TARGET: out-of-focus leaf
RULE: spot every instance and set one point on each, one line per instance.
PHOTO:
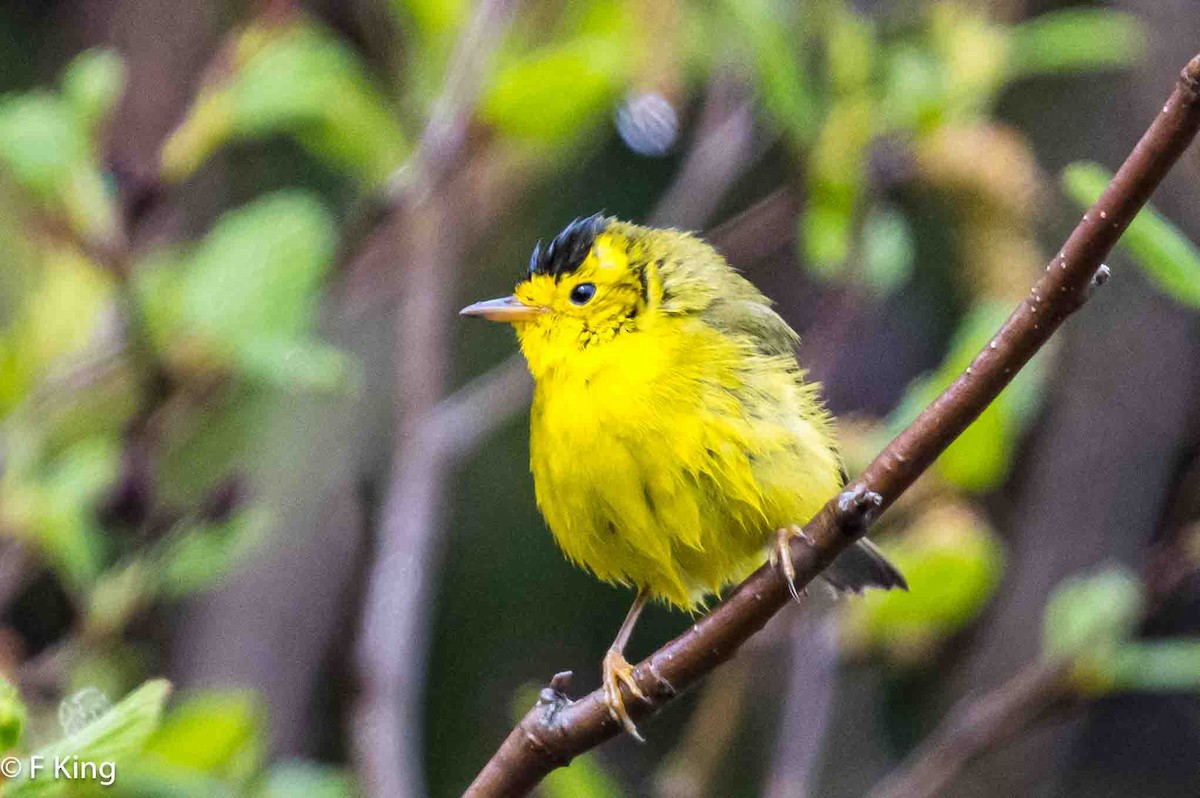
(217, 733)
(826, 232)
(953, 562)
(56, 319)
(583, 778)
(202, 554)
(433, 18)
(979, 460)
(214, 446)
(972, 50)
(52, 504)
(850, 49)
(298, 80)
(13, 716)
(256, 274)
(555, 93)
(118, 734)
(914, 97)
(45, 147)
(247, 297)
(92, 84)
(290, 364)
(116, 596)
(887, 250)
(778, 62)
(306, 780)
(1092, 615)
(837, 173)
(1165, 255)
(1073, 40)
(1166, 665)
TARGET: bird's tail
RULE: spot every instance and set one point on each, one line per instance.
(862, 566)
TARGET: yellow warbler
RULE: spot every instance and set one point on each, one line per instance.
(673, 437)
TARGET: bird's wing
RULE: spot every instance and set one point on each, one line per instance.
(754, 319)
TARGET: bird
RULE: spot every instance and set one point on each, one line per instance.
(674, 439)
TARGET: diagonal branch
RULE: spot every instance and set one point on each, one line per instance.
(556, 730)
(1040, 691)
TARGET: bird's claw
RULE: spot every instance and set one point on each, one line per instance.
(618, 671)
(781, 556)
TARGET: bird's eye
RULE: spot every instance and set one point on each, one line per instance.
(583, 292)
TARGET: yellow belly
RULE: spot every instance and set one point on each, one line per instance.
(665, 462)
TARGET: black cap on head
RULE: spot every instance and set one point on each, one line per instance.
(569, 248)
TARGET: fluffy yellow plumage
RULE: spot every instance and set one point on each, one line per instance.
(672, 431)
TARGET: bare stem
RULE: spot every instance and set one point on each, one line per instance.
(978, 725)
(552, 733)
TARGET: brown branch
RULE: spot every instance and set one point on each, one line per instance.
(391, 649)
(556, 730)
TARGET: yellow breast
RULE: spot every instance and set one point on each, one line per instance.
(664, 459)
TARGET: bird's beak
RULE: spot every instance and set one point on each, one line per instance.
(506, 308)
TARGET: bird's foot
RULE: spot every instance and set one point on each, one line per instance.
(618, 671)
(781, 556)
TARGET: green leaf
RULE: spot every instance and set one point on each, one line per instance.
(888, 250)
(257, 273)
(299, 80)
(583, 778)
(46, 148)
(216, 733)
(287, 363)
(62, 521)
(1160, 250)
(13, 716)
(1167, 665)
(433, 18)
(778, 59)
(247, 297)
(915, 93)
(953, 562)
(1092, 615)
(980, 459)
(826, 232)
(92, 84)
(201, 555)
(555, 93)
(119, 733)
(306, 780)
(1075, 40)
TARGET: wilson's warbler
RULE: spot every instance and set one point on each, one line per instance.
(673, 437)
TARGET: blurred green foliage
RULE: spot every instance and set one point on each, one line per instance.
(1163, 253)
(13, 716)
(85, 324)
(953, 562)
(115, 736)
(296, 79)
(836, 80)
(1092, 621)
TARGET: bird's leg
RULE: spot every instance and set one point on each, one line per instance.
(617, 671)
(781, 555)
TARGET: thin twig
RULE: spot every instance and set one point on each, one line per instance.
(555, 731)
(978, 725)
(391, 648)
(809, 693)
(724, 146)
(450, 116)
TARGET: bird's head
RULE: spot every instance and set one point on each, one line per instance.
(591, 284)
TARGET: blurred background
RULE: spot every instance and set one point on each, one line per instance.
(248, 447)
